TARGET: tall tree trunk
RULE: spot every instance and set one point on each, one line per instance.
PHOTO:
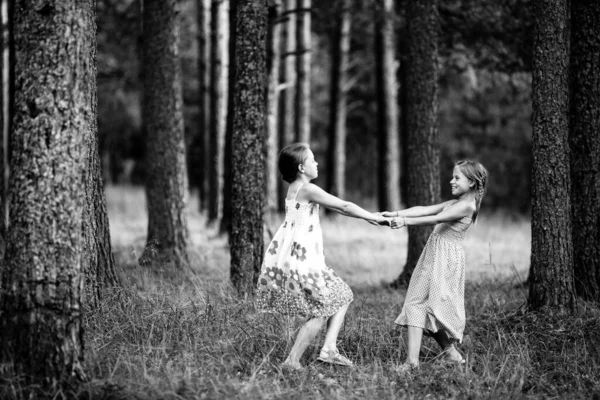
(303, 40)
(287, 134)
(203, 137)
(219, 48)
(225, 224)
(98, 262)
(338, 103)
(274, 66)
(551, 271)
(166, 181)
(585, 146)
(249, 130)
(422, 136)
(3, 137)
(41, 334)
(387, 106)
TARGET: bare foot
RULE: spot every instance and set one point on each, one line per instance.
(452, 355)
(294, 366)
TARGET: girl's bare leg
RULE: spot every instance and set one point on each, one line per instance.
(334, 324)
(306, 335)
(415, 335)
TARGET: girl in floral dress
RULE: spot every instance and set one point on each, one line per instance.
(294, 278)
(434, 301)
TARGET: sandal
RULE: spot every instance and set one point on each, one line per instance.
(334, 357)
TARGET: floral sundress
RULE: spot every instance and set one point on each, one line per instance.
(294, 279)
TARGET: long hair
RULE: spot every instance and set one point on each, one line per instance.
(290, 157)
(477, 173)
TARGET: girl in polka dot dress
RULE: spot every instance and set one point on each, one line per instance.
(294, 279)
(435, 297)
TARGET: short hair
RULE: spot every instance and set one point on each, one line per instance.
(290, 157)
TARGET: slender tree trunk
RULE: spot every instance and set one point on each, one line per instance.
(387, 110)
(218, 113)
(303, 40)
(41, 334)
(203, 137)
(248, 144)
(338, 103)
(274, 66)
(422, 137)
(585, 146)
(3, 137)
(98, 262)
(551, 272)
(166, 181)
(287, 133)
(225, 224)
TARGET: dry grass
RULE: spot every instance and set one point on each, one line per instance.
(168, 336)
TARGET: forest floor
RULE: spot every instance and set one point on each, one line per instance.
(169, 335)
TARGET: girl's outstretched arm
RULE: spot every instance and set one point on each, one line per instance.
(312, 192)
(417, 211)
(456, 212)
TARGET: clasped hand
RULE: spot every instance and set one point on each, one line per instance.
(391, 219)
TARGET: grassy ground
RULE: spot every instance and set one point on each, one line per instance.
(170, 336)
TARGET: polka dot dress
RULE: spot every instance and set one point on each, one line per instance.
(294, 279)
(435, 298)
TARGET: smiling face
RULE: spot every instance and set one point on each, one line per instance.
(460, 184)
(309, 166)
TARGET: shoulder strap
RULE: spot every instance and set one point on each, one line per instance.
(297, 190)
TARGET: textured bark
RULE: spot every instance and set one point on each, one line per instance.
(219, 48)
(166, 181)
(422, 136)
(338, 104)
(274, 66)
(387, 107)
(225, 224)
(3, 163)
(98, 263)
(585, 146)
(303, 40)
(551, 271)
(41, 334)
(248, 143)
(203, 137)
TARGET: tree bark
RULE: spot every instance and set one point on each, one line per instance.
(303, 40)
(248, 143)
(166, 181)
(98, 262)
(41, 333)
(551, 271)
(387, 107)
(422, 136)
(203, 137)
(219, 48)
(274, 66)
(584, 144)
(3, 136)
(338, 103)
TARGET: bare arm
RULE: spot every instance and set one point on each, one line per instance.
(456, 212)
(417, 211)
(313, 193)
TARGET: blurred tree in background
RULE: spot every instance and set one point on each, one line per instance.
(484, 91)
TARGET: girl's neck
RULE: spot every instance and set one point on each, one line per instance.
(469, 196)
(301, 180)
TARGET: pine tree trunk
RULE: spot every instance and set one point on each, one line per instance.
(551, 271)
(98, 261)
(249, 139)
(585, 146)
(422, 136)
(41, 333)
(290, 76)
(387, 107)
(274, 66)
(218, 112)
(225, 224)
(338, 103)
(166, 181)
(203, 138)
(303, 40)
(3, 163)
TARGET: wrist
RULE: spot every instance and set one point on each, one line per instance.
(397, 214)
